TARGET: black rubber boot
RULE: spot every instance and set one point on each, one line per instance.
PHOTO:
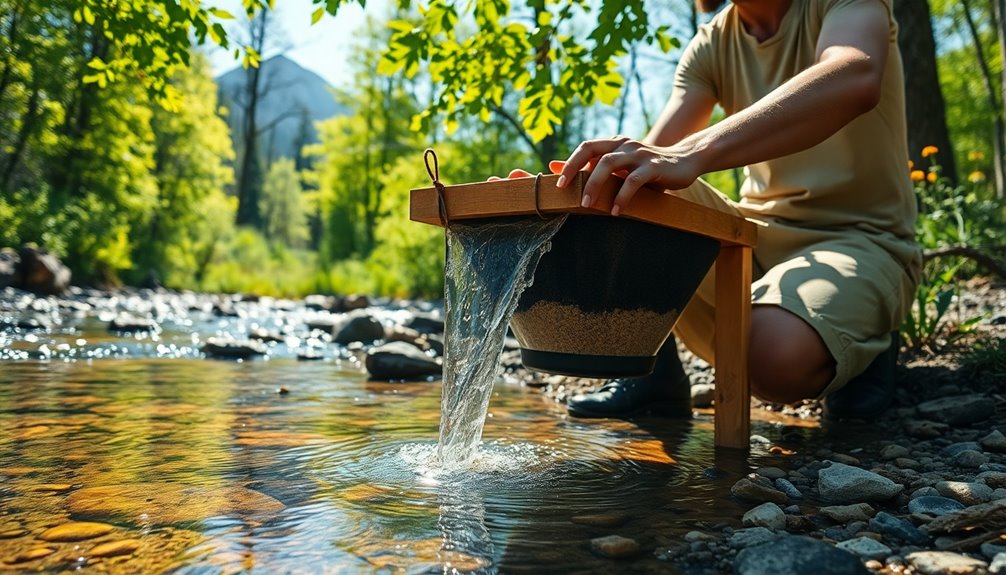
(870, 393)
(664, 392)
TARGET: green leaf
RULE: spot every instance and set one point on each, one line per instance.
(222, 14)
(317, 16)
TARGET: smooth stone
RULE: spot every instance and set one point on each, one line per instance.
(898, 528)
(750, 537)
(797, 555)
(615, 546)
(771, 472)
(988, 516)
(170, 503)
(783, 484)
(994, 479)
(360, 326)
(970, 459)
(693, 536)
(955, 448)
(968, 493)
(865, 547)
(844, 483)
(703, 395)
(998, 565)
(1000, 467)
(116, 548)
(266, 336)
(847, 513)
(130, 324)
(753, 490)
(894, 451)
(926, 429)
(76, 531)
(400, 360)
(426, 324)
(232, 349)
(52, 487)
(610, 519)
(906, 463)
(928, 491)
(945, 563)
(990, 550)
(844, 459)
(31, 555)
(13, 533)
(767, 515)
(994, 441)
(934, 505)
(958, 410)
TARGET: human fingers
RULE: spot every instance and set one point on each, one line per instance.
(625, 162)
(584, 155)
(518, 173)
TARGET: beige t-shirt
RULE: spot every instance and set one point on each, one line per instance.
(858, 178)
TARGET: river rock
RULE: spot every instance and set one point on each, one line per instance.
(76, 531)
(426, 324)
(844, 483)
(784, 485)
(31, 555)
(609, 519)
(771, 472)
(847, 513)
(935, 506)
(132, 324)
(968, 493)
(991, 550)
(615, 546)
(994, 479)
(354, 302)
(970, 459)
(998, 565)
(169, 503)
(995, 442)
(749, 537)
(232, 349)
(797, 555)
(897, 528)
(116, 548)
(360, 326)
(946, 563)
(765, 515)
(925, 429)
(757, 489)
(865, 547)
(989, 516)
(894, 451)
(958, 410)
(400, 360)
(41, 272)
(703, 394)
(955, 448)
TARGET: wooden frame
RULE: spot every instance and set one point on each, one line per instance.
(514, 197)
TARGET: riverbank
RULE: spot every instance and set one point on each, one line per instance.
(922, 488)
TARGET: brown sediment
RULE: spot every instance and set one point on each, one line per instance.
(563, 328)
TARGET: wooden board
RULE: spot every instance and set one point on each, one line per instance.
(733, 331)
(516, 197)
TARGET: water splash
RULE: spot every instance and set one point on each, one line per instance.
(488, 267)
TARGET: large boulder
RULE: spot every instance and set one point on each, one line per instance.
(360, 326)
(41, 272)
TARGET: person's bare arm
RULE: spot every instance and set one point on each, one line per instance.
(844, 83)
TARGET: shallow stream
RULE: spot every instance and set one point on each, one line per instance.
(195, 465)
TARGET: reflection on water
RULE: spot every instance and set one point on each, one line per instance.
(202, 467)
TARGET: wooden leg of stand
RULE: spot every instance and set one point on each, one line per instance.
(733, 326)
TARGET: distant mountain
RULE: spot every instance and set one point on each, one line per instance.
(291, 100)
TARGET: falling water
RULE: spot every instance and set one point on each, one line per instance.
(488, 266)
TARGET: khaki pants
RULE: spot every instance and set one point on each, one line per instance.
(853, 287)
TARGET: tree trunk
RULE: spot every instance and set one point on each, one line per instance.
(927, 122)
(999, 9)
(997, 111)
(249, 183)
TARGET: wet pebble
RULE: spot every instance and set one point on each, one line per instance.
(970, 458)
(232, 349)
(771, 472)
(12, 531)
(76, 531)
(925, 429)
(797, 555)
(934, 505)
(994, 441)
(615, 546)
(894, 451)
(865, 547)
(955, 448)
(945, 563)
(998, 565)
(756, 488)
(898, 528)
(361, 327)
(31, 555)
(845, 483)
(116, 548)
(958, 410)
(767, 515)
(610, 519)
(784, 485)
(400, 360)
(847, 513)
(967, 493)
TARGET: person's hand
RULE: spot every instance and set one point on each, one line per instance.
(640, 164)
(555, 165)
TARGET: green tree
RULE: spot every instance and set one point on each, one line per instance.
(283, 207)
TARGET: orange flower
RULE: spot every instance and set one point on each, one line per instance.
(911, 164)
(918, 175)
(929, 151)
(976, 177)
(931, 177)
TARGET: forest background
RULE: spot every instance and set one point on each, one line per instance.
(118, 155)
